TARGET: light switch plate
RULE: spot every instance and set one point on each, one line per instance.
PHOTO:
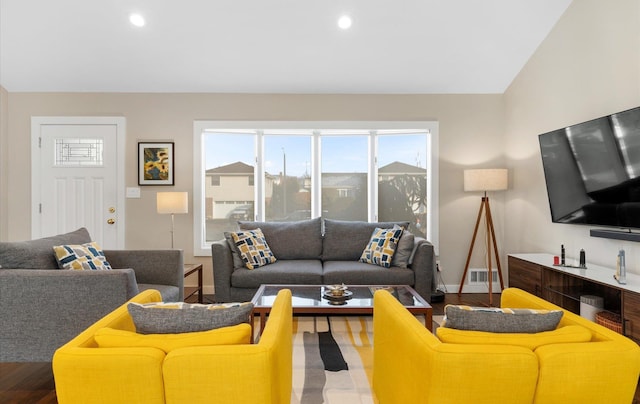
(133, 192)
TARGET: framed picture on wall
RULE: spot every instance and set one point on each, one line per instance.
(155, 163)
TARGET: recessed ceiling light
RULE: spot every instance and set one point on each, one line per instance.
(137, 20)
(345, 22)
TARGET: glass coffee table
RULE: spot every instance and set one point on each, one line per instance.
(316, 299)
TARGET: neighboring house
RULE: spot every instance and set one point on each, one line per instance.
(230, 188)
(343, 185)
(396, 168)
(226, 188)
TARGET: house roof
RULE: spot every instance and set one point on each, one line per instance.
(329, 179)
(398, 167)
(237, 168)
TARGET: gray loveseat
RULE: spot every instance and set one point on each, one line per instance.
(320, 252)
(42, 307)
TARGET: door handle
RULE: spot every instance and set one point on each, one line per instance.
(111, 221)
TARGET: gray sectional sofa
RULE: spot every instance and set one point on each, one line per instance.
(42, 307)
(320, 252)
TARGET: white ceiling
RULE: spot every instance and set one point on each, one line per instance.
(270, 46)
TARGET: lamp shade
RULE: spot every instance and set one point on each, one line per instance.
(172, 202)
(487, 179)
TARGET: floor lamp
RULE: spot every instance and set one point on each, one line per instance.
(483, 180)
(172, 203)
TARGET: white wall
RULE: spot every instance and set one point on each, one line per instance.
(588, 66)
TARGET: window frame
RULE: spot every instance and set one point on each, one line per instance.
(200, 127)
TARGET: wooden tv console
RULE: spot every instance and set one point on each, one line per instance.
(563, 286)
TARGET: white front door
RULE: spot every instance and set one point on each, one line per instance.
(77, 177)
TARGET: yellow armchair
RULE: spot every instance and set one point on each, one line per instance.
(245, 373)
(604, 370)
(410, 364)
(258, 373)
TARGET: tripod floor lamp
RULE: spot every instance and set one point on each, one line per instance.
(172, 203)
(483, 180)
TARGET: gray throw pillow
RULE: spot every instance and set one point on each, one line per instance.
(174, 318)
(38, 254)
(500, 320)
(403, 250)
(235, 254)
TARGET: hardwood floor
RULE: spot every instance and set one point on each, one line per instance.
(33, 382)
(27, 383)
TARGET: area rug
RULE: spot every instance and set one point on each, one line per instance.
(333, 359)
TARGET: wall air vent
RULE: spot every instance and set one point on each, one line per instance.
(481, 276)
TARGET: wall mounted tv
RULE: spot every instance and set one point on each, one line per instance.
(592, 171)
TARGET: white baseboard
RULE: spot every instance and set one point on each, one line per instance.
(484, 288)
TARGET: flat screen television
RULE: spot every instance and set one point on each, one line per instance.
(592, 171)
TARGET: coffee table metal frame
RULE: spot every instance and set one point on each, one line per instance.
(313, 302)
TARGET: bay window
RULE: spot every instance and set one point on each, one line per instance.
(286, 171)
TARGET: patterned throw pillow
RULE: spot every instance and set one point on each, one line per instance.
(80, 257)
(382, 246)
(493, 319)
(253, 248)
(179, 317)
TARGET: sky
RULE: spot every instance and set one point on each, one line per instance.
(339, 154)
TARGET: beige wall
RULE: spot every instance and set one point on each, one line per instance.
(471, 129)
(589, 66)
(3, 161)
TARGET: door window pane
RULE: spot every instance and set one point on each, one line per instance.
(287, 178)
(344, 177)
(402, 180)
(229, 190)
(78, 152)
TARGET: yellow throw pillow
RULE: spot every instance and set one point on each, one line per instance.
(80, 257)
(562, 335)
(233, 335)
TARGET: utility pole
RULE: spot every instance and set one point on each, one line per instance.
(284, 183)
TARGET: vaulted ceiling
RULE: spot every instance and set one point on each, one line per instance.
(270, 46)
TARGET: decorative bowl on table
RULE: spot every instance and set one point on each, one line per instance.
(337, 292)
